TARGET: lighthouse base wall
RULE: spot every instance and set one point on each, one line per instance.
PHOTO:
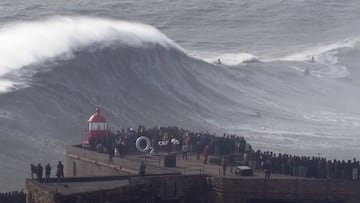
(84, 163)
(81, 162)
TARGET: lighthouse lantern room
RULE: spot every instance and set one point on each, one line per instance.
(97, 130)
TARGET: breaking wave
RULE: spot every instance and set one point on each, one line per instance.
(325, 54)
(27, 43)
(322, 59)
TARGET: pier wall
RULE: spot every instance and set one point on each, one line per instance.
(65, 193)
(168, 185)
(193, 188)
(284, 190)
(140, 189)
(37, 193)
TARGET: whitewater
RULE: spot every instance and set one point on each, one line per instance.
(154, 63)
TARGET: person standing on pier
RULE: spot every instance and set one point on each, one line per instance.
(111, 152)
(206, 154)
(47, 172)
(184, 150)
(33, 168)
(60, 171)
(39, 172)
(198, 150)
(231, 162)
(224, 165)
(142, 168)
(267, 168)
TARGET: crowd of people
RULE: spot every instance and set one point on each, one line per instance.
(123, 142)
(13, 197)
(38, 171)
(304, 166)
(206, 144)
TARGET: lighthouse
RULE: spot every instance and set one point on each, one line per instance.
(97, 130)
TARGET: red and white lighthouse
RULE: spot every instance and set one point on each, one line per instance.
(97, 130)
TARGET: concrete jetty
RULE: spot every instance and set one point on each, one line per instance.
(91, 177)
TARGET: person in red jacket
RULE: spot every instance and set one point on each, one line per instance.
(206, 154)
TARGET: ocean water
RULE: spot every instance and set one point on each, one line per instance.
(152, 63)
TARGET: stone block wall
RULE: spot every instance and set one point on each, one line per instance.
(131, 193)
(141, 189)
(315, 190)
(36, 193)
(188, 188)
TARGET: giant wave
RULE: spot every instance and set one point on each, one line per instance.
(26, 43)
(66, 66)
(132, 71)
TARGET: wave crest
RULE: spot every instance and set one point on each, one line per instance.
(26, 43)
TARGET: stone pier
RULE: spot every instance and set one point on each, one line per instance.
(91, 177)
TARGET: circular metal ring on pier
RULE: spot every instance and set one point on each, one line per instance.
(148, 144)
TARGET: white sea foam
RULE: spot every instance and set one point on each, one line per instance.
(25, 43)
(230, 59)
(297, 68)
(331, 117)
(323, 57)
(5, 85)
(324, 70)
(322, 53)
(324, 64)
